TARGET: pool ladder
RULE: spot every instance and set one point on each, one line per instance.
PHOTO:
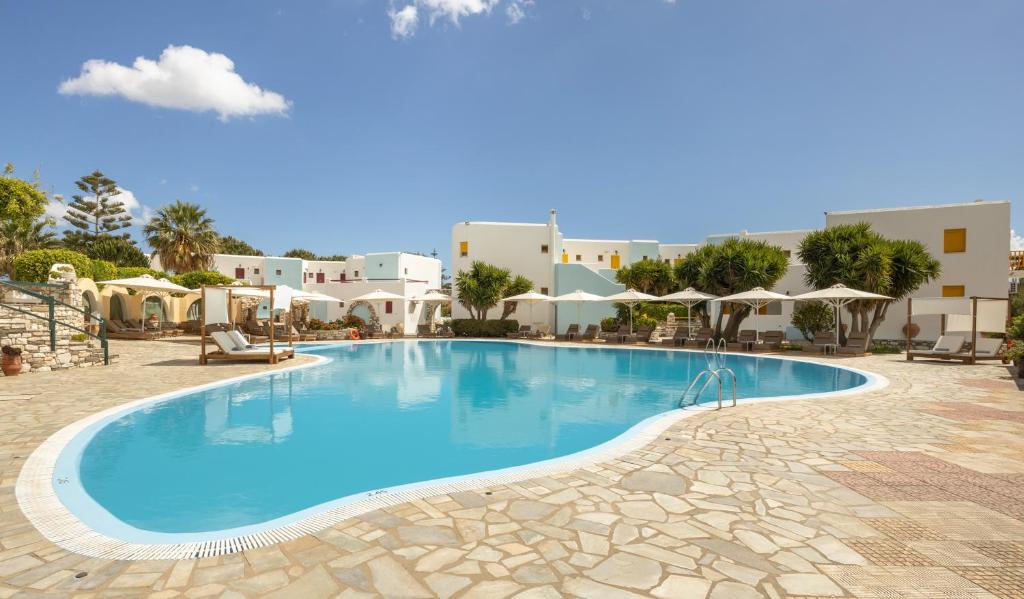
(715, 371)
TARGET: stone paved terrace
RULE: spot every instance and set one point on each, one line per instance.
(912, 491)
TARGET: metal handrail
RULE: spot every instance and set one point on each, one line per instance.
(51, 303)
(715, 360)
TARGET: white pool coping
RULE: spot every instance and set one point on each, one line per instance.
(40, 503)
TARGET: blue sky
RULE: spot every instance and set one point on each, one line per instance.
(641, 119)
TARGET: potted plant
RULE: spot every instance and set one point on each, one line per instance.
(11, 363)
(1015, 353)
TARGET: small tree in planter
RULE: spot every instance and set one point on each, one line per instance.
(11, 363)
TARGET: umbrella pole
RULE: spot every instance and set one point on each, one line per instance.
(630, 318)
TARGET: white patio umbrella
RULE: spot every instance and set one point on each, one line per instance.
(378, 296)
(432, 297)
(530, 298)
(148, 283)
(578, 297)
(688, 297)
(836, 296)
(631, 297)
(756, 298)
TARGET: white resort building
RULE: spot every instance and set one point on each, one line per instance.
(971, 240)
(408, 275)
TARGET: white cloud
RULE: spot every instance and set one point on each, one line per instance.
(404, 21)
(184, 78)
(516, 11)
(1016, 241)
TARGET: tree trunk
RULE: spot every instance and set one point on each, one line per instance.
(718, 325)
(881, 309)
(738, 314)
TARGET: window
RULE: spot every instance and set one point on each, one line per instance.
(463, 249)
(600, 257)
(616, 260)
(772, 309)
(544, 290)
(677, 261)
(277, 272)
(787, 253)
(342, 276)
(579, 257)
(239, 273)
(954, 241)
(953, 291)
(319, 277)
(666, 260)
(565, 258)
(389, 307)
(544, 248)
(644, 258)
(255, 271)
(406, 271)
(357, 274)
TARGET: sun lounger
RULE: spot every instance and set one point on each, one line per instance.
(233, 349)
(704, 334)
(642, 335)
(117, 330)
(618, 336)
(771, 340)
(522, 333)
(542, 332)
(572, 332)
(856, 345)
(423, 330)
(678, 337)
(745, 341)
(591, 333)
(444, 331)
(950, 347)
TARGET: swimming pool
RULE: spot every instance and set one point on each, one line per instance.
(254, 453)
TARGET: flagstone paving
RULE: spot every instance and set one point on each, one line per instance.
(912, 491)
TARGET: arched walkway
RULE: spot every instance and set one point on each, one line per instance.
(118, 309)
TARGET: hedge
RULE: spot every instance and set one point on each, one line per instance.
(34, 265)
(197, 278)
(468, 327)
(103, 270)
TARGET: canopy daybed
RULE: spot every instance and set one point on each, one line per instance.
(964, 319)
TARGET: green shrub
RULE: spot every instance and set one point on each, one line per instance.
(610, 324)
(885, 349)
(811, 318)
(1016, 330)
(79, 337)
(468, 327)
(197, 278)
(351, 322)
(35, 265)
(128, 272)
(643, 320)
(103, 270)
(118, 250)
(658, 312)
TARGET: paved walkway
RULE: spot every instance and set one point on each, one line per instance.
(913, 491)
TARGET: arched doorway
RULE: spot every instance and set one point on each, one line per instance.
(117, 307)
(153, 306)
(193, 311)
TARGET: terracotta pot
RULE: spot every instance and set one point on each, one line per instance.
(11, 365)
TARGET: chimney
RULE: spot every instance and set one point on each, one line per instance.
(551, 220)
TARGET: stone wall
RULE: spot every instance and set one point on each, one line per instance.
(32, 335)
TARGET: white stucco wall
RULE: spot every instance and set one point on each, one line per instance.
(982, 269)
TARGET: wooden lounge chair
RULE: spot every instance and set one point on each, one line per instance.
(572, 332)
(618, 336)
(423, 330)
(591, 333)
(117, 330)
(231, 349)
(642, 335)
(444, 331)
(945, 346)
(543, 332)
(856, 345)
(745, 341)
(704, 334)
(987, 348)
(678, 338)
(772, 340)
(824, 339)
(297, 336)
(522, 333)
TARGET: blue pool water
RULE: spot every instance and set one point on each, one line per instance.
(380, 415)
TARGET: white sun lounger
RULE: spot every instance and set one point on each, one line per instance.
(946, 345)
(230, 348)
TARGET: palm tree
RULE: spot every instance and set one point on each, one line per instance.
(733, 266)
(182, 236)
(17, 237)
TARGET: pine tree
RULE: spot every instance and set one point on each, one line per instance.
(96, 214)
